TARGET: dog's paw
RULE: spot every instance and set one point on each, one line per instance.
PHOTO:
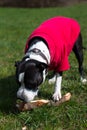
(57, 96)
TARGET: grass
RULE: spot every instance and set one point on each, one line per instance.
(15, 26)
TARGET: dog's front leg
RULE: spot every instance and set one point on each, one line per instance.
(57, 91)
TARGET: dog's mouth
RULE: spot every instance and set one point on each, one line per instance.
(26, 95)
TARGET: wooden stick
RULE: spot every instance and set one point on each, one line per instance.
(22, 106)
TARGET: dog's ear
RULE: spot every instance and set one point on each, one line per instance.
(17, 63)
(42, 66)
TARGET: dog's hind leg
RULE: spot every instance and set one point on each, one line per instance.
(78, 50)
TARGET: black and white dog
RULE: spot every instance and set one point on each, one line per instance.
(48, 47)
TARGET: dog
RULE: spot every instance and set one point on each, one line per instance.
(48, 48)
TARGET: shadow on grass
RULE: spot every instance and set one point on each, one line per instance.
(8, 89)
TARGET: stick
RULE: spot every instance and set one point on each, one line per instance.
(37, 103)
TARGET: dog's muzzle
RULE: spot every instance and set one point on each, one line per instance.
(26, 95)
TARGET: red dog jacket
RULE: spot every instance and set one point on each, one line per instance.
(60, 33)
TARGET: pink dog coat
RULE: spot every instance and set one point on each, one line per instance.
(60, 33)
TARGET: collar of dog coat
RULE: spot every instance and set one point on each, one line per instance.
(36, 54)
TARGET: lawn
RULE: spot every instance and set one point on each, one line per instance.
(15, 27)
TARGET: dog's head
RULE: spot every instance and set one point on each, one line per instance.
(29, 74)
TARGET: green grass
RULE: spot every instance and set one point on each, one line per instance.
(15, 26)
